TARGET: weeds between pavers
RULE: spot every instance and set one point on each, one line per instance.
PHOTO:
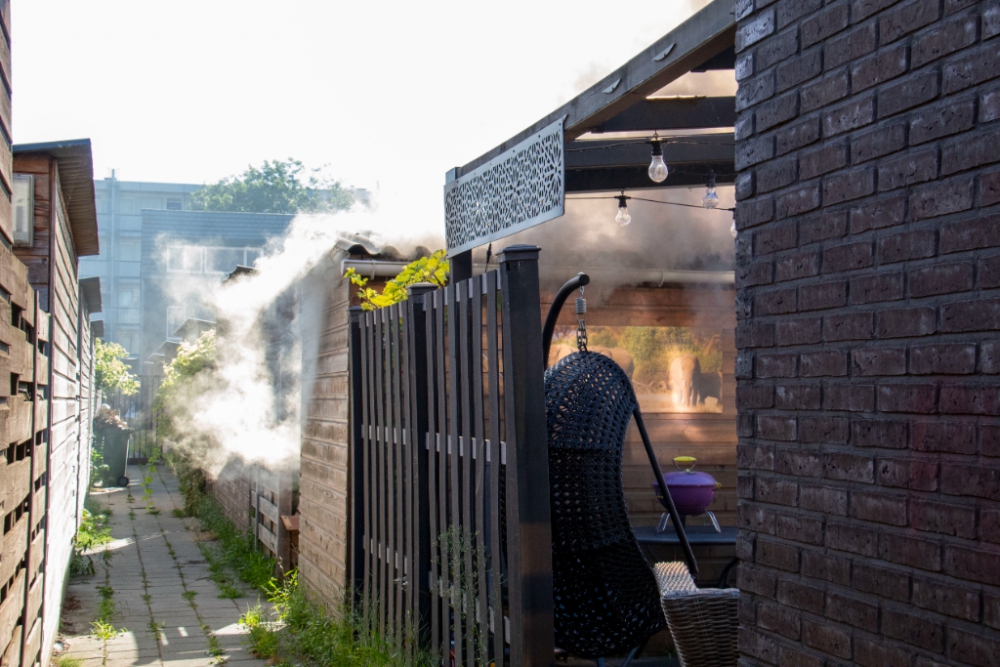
(94, 531)
(102, 626)
(68, 661)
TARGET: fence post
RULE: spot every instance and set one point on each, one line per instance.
(420, 556)
(356, 491)
(529, 529)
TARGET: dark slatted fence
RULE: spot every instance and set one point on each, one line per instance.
(451, 536)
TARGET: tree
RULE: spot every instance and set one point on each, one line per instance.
(276, 187)
(110, 372)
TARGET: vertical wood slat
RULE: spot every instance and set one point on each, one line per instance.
(466, 597)
(529, 535)
(406, 478)
(391, 412)
(371, 572)
(444, 555)
(359, 424)
(379, 594)
(493, 378)
(432, 483)
(454, 449)
(398, 468)
(478, 435)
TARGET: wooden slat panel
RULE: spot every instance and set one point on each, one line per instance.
(268, 509)
(19, 422)
(267, 538)
(12, 655)
(20, 354)
(15, 483)
(41, 417)
(15, 543)
(37, 552)
(32, 644)
(454, 443)
(10, 610)
(42, 329)
(34, 599)
(493, 393)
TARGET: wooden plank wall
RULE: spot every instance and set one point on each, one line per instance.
(6, 134)
(323, 480)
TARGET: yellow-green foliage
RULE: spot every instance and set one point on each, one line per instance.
(433, 269)
(110, 372)
(178, 380)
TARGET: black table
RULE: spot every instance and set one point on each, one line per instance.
(647, 536)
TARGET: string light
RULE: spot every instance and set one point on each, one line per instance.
(623, 217)
(657, 167)
(710, 200)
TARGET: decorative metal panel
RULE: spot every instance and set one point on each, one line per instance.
(522, 187)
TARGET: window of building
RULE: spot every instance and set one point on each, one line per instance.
(151, 202)
(223, 260)
(128, 206)
(174, 204)
(24, 209)
(184, 259)
(129, 250)
(175, 318)
(128, 295)
(102, 205)
(130, 341)
(251, 255)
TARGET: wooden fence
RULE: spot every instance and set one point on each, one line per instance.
(449, 474)
(255, 498)
(24, 414)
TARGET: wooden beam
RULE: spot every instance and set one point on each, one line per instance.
(705, 35)
(673, 114)
(633, 178)
(682, 150)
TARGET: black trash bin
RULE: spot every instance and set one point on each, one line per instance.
(113, 435)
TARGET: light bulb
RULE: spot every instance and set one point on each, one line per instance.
(623, 218)
(732, 230)
(658, 169)
(710, 200)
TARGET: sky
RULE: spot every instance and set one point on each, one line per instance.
(389, 95)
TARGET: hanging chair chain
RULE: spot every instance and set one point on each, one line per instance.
(581, 322)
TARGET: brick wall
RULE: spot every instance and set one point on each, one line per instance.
(868, 146)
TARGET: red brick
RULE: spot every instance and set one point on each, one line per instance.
(800, 596)
(862, 9)
(970, 399)
(907, 474)
(776, 49)
(943, 40)
(941, 198)
(793, 72)
(877, 288)
(880, 67)
(847, 256)
(943, 436)
(800, 529)
(941, 279)
(797, 397)
(776, 365)
(797, 135)
(777, 555)
(973, 67)
(775, 303)
(754, 151)
(848, 185)
(989, 272)
(754, 212)
(907, 246)
(852, 326)
(824, 92)
(801, 265)
(935, 517)
(773, 239)
(825, 226)
(826, 499)
(800, 331)
(989, 357)
(776, 491)
(849, 397)
(852, 537)
(946, 598)
(754, 396)
(886, 583)
(775, 174)
(796, 202)
(907, 18)
(908, 169)
(753, 91)
(989, 106)
(913, 398)
(852, 611)
(976, 565)
(777, 619)
(878, 433)
(851, 46)
(776, 428)
(868, 653)
(941, 121)
(991, 610)
(824, 24)
(871, 361)
(849, 116)
(983, 232)
(754, 643)
(754, 30)
(833, 430)
(826, 638)
(827, 567)
(990, 520)
(878, 214)
(908, 93)
(981, 650)
(875, 143)
(991, 22)
(980, 315)
(849, 467)
(755, 580)
(915, 630)
(789, 461)
(906, 322)
(954, 359)
(878, 507)
(989, 188)
(823, 364)
(755, 273)
(989, 440)
(792, 657)
(755, 519)
(822, 160)
(970, 150)
(821, 296)
(978, 481)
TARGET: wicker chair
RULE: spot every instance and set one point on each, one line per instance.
(702, 621)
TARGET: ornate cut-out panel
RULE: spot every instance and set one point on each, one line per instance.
(520, 188)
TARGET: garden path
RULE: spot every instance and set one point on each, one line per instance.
(168, 609)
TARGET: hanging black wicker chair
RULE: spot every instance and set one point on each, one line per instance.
(606, 599)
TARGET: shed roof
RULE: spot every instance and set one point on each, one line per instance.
(91, 288)
(76, 175)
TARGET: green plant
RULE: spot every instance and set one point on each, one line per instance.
(80, 564)
(156, 628)
(189, 595)
(432, 269)
(277, 186)
(105, 630)
(178, 514)
(110, 372)
(214, 648)
(69, 661)
(94, 531)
